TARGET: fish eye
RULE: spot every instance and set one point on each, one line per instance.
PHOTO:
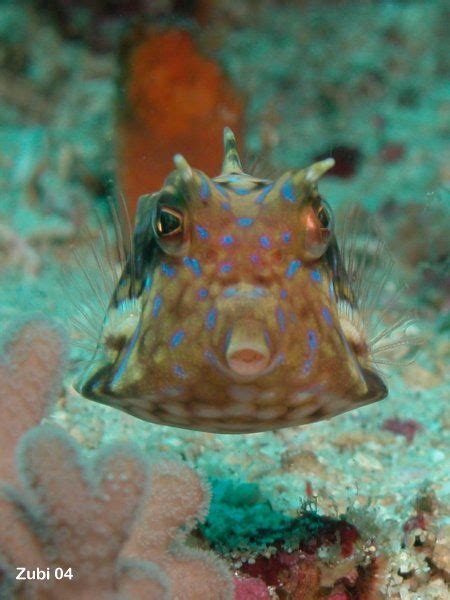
(169, 226)
(169, 222)
(324, 216)
(318, 230)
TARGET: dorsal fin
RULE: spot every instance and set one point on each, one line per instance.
(231, 160)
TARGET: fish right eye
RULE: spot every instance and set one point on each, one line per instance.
(325, 216)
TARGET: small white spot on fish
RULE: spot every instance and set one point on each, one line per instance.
(268, 395)
(172, 392)
(242, 393)
(240, 410)
(271, 412)
(299, 398)
(303, 411)
(177, 409)
(206, 411)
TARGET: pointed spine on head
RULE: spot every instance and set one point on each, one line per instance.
(315, 171)
(305, 180)
(183, 168)
(186, 174)
(312, 174)
(231, 160)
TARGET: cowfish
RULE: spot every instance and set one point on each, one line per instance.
(234, 312)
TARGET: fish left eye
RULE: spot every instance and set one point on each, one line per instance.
(169, 226)
(169, 222)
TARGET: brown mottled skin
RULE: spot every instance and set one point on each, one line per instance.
(227, 316)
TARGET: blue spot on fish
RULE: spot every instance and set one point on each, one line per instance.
(331, 290)
(241, 191)
(127, 354)
(281, 319)
(265, 242)
(227, 240)
(193, 265)
(148, 283)
(327, 316)
(168, 270)
(312, 339)
(254, 258)
(202, 293)
(229, 292)
(258, 292)
(245, 221)
(287, 235)
(288, 192)
(157, 303)
(211, 357)
(316, 276)
(226, 268)
(204, 192)
(262, 196)
(211, 318)
(227, 338)
(307, 366)
(283, 294)
(293, 267)
(177, 338)
(221, 189)
(202, 232)
(179, 371)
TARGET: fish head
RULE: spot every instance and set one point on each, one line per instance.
(230, 313)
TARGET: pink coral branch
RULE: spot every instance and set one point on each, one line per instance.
(176, 499)
(30, 377)
(120, 531)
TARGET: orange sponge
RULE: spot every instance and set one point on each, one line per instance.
(176, 100)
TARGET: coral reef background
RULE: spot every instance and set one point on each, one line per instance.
(365, 495)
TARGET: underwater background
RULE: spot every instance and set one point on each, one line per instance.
(95, 99)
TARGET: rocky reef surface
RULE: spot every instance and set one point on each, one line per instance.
(354, 507)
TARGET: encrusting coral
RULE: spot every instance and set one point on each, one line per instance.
(107, 527)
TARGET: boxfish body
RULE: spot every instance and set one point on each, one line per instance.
(233, 312)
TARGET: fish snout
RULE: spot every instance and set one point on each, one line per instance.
(247, 351)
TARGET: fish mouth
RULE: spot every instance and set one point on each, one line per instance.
(241, 377)
(247, 361)
(248, 352)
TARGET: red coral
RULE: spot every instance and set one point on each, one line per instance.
(333, 531)
(419, 521)
(405, 427)
(250, 588)
(392, 152)
(298, 574)
(176, 100)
